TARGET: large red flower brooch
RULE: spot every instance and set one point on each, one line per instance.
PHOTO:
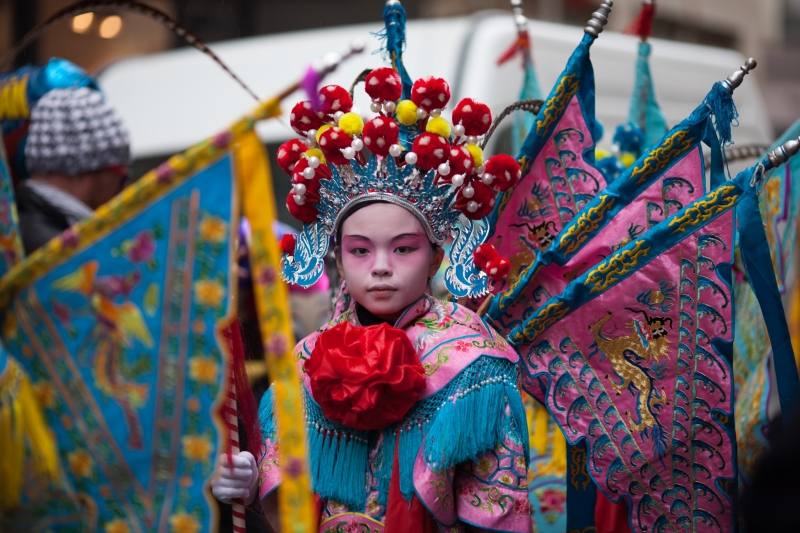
(365, 377)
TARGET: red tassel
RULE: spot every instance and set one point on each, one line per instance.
(522, 44)
(245, 401)
(643, 24)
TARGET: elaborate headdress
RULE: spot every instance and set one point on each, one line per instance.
(418, 161)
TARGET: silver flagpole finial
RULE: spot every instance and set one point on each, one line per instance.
(781, 154)
(599, 19)
(736, 79)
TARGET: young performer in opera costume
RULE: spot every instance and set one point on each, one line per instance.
(414, 418)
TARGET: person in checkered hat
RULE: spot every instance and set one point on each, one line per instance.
(77, 155)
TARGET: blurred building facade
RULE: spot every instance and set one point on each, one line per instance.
(768, 30)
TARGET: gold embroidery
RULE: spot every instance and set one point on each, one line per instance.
(577, 233)
(545, 318)
(567, 87)
(615, 349)
(609, 271)
(577, 468)
(718, 201)
(661, 157)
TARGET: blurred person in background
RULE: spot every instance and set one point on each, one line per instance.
(77, 154)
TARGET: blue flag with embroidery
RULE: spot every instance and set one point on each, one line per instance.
(117, 323)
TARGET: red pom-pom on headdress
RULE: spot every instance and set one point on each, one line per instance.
(480, 201)
(476, 117)
(321, 172)
(430, 93)
(333, 98)
(431, 150)
(304, 210)
(290, 153)
(383, 84)
(379, 134)
(303, 118)
(288, 243)
(498, 268)
(505, 170)
(483, 254)
(332, 142)
(461, 161)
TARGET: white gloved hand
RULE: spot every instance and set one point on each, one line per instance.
(241, 481)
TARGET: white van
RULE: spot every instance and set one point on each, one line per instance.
(174, 99)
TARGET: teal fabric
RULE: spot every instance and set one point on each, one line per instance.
(523, 120)
(758, 264)
(644, 110)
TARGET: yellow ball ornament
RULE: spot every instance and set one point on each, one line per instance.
(439, 126)
(315, 152)
(476, 153)
(351, 124)
(627, 159)
(321, 130)
(406, 112)
(600, 153)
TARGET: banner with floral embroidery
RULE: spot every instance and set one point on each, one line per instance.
(636, 355)
(10, 239)
(119, 324)
(120, 340)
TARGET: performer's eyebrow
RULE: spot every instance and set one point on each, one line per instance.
(359, 237)
(404, 235)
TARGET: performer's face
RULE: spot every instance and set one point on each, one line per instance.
(386, 259)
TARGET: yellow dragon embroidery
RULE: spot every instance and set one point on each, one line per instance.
(648, 341)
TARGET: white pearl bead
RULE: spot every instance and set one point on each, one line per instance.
(338, 115)
(389, 106)
(308, 173)
(421, 113)
(458, 180)
(487, 179)
(472, 206)
(311, 135)
(299, 200)
(331, 59)
(300, 189)
(468, 191)
(481, 169)
(458, 130)
(375, 107)
(357, 144)
(310, 142)
(444, 169)
(411, 158)
(348, 152)
(313, 161)
(472, 140)
(436, 112)
(395, 150)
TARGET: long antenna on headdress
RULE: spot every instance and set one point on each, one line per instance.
(394, 37)
(117, 6)
(643, 24)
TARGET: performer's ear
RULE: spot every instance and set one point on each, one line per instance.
(436, 260)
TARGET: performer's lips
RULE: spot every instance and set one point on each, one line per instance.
(381, 291)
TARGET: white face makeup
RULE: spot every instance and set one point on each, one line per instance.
(386, 259)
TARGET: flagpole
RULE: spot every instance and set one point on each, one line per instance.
(232, 422)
